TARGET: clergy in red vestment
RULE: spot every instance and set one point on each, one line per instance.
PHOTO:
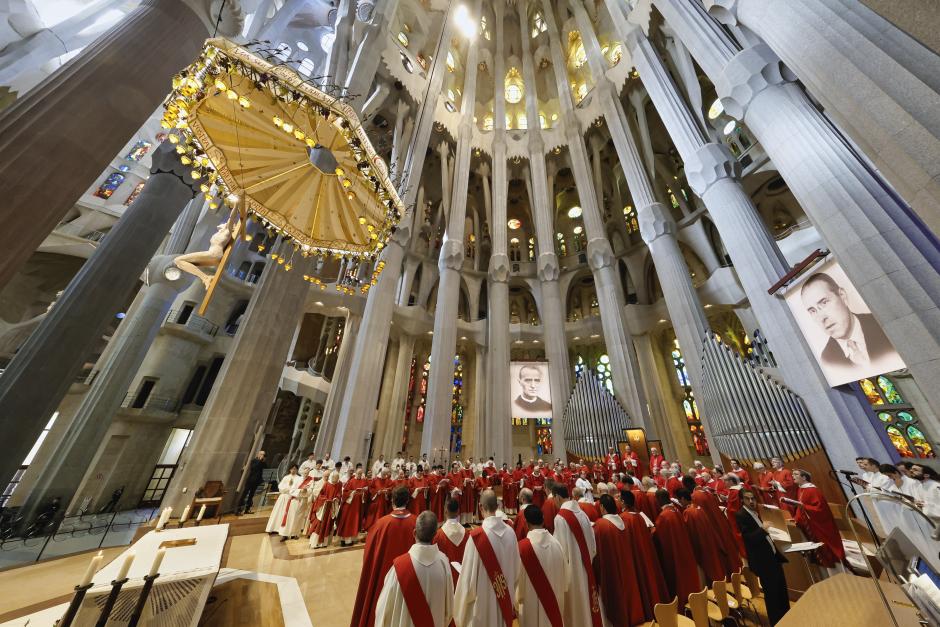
(660, 478)
(764, 485)
(537, 486)
(586, 506)
(451, 538)
(680, 570)
(439, 485)
(652, 502)
(631, 461)
(324, 512)
(550, 506)
(643, 504)
(510, 488)
(519, 524)
(613, 462)
(380, 505)
(673, 483)
(468, 501)
(733, 506)
(614, 568)
(783, 483)
(419, 490)
(656, 461)
(704, 537)
(650, 580)
(390, 537)
(352, 509)
(730, 555)
(741, 472)
(814, 518)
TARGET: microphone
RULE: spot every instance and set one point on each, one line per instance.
(849, 473)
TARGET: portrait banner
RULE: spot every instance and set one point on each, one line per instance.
(844, 336)
(529, 391)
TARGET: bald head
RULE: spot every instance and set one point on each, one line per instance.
(426, 527)
(525, 496)
(488, 502)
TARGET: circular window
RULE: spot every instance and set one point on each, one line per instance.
(514, 223)
(574, 212)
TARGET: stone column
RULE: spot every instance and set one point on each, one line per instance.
(436, 434)
(390, 427)
(368, 55)
(146, 48)
(240, 402)
(368, 357)
(41, 372)
(887, 253)
(600, 255)
(878, 83)
(540, 187)
(660, 424)
(712, 173)
(338, 386)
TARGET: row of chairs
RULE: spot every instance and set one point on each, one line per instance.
(717, 604)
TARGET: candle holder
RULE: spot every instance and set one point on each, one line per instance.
(76, 603)
(142, 599)
(116, 586)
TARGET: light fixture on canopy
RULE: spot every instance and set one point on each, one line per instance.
(279, 150)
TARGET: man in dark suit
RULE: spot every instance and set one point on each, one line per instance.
(854, 339)
(252, 481)
(763, 557)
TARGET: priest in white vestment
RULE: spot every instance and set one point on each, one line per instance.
(277, 522)
(551, 558)
(432, 571)
(578, 594)
(475, 602)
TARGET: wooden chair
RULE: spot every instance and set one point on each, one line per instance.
(753, 583)
(743, 594)
(723, 601)
(210, 495)
(667, 615)
(703, 612)
(730, 601)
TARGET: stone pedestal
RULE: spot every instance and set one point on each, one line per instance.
(41, 372)
(80, 117)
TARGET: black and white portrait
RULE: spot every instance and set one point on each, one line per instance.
(847, 341)
(529, 390)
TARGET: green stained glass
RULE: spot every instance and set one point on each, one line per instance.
(889, 391)
(906, 417)
(921, 445)
(885, 416)
(871, 392)
(899, 442)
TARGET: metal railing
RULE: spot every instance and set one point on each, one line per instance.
(159, 403)
(191, 321)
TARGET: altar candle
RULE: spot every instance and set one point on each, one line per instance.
(157, 560)
(126, 566)
(92, 568)
(185, 515)
(202, 512)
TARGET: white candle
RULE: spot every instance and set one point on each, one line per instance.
(92, 568)
(202, 512)
(126, 566)
(185, 515)
(164, 517)
(157, 560)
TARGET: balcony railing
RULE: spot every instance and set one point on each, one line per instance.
(158, 403)
(198, 324)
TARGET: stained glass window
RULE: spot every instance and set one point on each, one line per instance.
(409, 403)
(456, 408)
(629, 215)
(579, 366)
(110, 184)
(898, 417)
(689, 406)
(603, 372)
(134, 194)
(138, 150)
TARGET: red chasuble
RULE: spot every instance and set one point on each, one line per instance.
(673, 484)
(765, 488)
(520, 525)
(734, 505)
(655, 462)
(615, 572)
(815, 519)
(390, 537)
(652, 504)
(380, 505)
(676, 555)
(590, 509)
(650, 580)
(730, 554)
(330, 492)
(418, 503)
(454, 552)
(705, 543)
(351, 513)
(549, 511)
(538, 488)
(643, 504)
(440, 488)
(785, 478)
(628, 464)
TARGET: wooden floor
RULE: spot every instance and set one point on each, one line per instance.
(243, 602)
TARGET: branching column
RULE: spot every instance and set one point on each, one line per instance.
(357, 411)
(41, 372)
(601, 258)
(436, 434)
(368, 55)
(712, 173)
(887, 253)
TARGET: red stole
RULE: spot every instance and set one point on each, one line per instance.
(543, 589)
(575, 525)
(495, 573)
(415, 600)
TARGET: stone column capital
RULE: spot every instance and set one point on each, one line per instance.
(746, 75)
(708, 165)
(549, 269)
(451, 256)
(724, 11)
(402, 233)
(600, 254)
(655, 221)
(165, 160)
(499, 268)
(232, 20)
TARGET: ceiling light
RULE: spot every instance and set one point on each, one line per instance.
(514, 240)
(577, 230)
(715, 110)
(465, 22)
(514, 223)
(729, 127)
(574, 212)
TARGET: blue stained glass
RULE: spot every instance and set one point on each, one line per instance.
(138, 150)
(106, 189)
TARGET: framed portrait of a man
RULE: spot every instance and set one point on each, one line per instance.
(529, 392)
(847, 341)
